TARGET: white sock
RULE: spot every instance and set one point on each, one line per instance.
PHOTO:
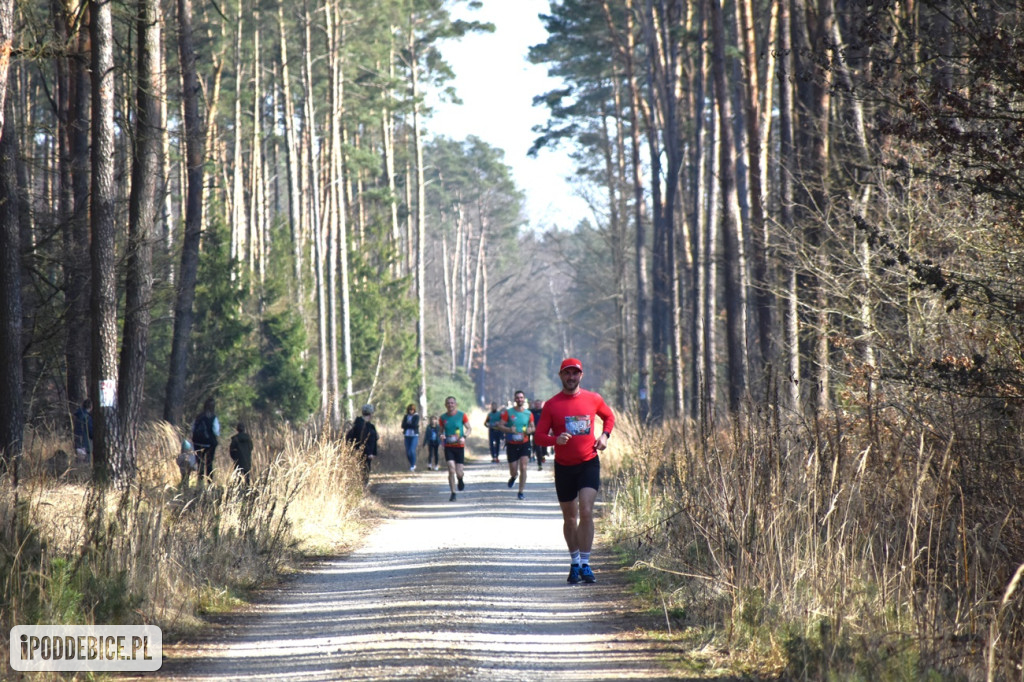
(584, 558)
(575, 556)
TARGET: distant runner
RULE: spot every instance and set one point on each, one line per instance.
(454, 429)
(494, 434)
(517, 425)
(540, 452)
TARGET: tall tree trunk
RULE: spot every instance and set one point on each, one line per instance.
(257, 172)
(346, 319)
(753, 94)
(292, 163)
(166, 218)
(12, 411)
(731, 247)
(787, 171)
(238, 221)
(640, 223)
(659, 279)
(332, 215)
(449, 302)
(388, 144)
(813, 28)
(317, 227)
(421, 231)
(142, 211)
(697, 69)
(711, 259)
(612, 155)
(194, 154)
(104, 258)
(473, 310)
(6, 48)
(482, 373)
(76, 264)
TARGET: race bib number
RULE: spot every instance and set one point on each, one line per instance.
(577, 426)
(454, 438)
(515, 437)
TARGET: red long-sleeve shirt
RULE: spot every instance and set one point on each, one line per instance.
(576, 414)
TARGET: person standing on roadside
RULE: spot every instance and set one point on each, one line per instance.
(83, 430)
(432, 441)
(568, 422)
(454, 429)
(540, 452)
(411, 431)
(494, 434)
(517, 425)
(240, 450)
(363, 435)
(205, 436)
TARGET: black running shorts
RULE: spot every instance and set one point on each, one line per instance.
(457, 455)
(570, 480)
(516, 450)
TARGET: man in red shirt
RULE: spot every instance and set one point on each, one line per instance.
(568, 421)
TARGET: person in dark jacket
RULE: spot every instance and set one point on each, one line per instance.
(432, 441)
(363, 435)
(205, 435)
(82, 421)
(411, 432)
(241, 451)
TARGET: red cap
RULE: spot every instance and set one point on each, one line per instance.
(570, 362)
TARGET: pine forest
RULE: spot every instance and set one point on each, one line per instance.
(800, 285)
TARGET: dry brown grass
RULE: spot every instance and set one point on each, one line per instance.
(162, 552)
(830, 548)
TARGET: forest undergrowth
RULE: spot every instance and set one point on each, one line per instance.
(881, 544)
(163, 552)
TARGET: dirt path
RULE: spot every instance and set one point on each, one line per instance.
(444, 590)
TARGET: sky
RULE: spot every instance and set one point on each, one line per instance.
(497, 85)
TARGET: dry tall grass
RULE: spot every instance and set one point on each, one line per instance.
(162, 552)
(886, 549)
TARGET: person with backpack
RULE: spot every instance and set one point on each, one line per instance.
(205, 435)
(363, 436)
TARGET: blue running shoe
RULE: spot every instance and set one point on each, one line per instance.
(574, 575)
(587, 574)
(522, 496)
(511, 481)
(461, 486)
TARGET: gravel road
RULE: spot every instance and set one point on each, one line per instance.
(442, 590)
